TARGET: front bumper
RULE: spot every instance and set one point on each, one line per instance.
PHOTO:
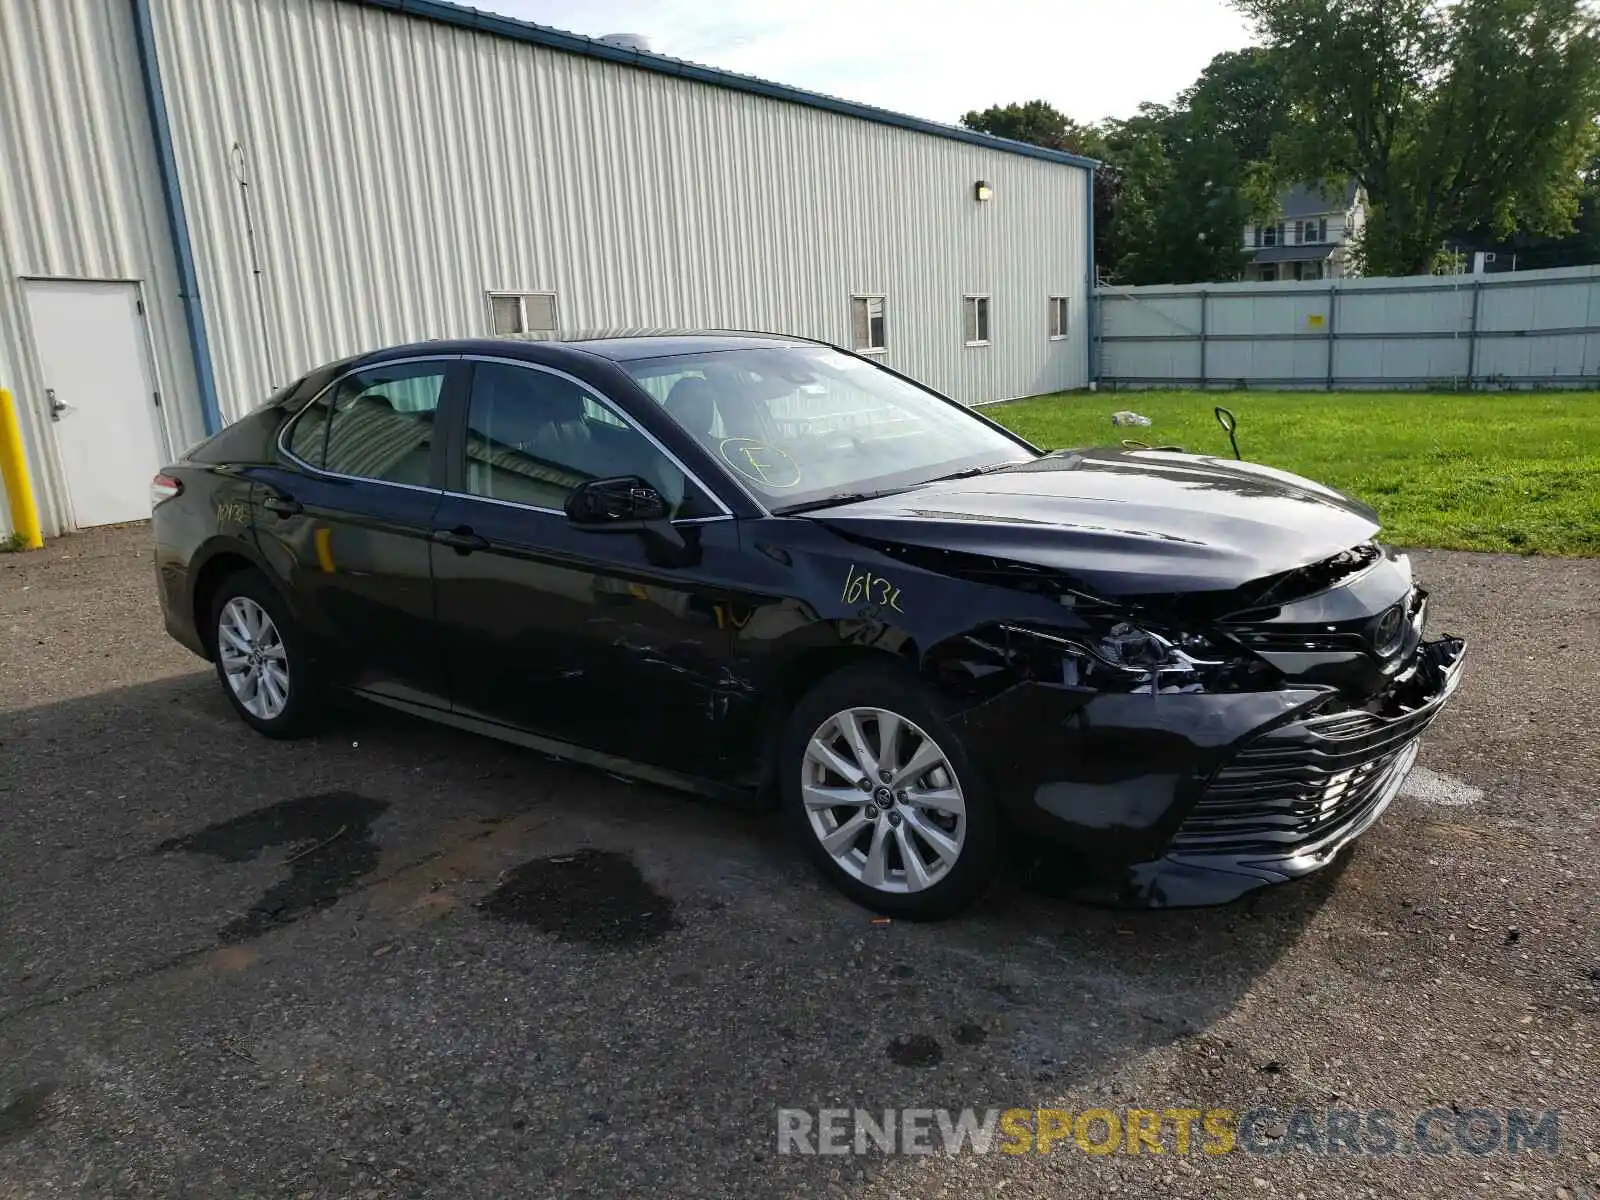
(1197, 799)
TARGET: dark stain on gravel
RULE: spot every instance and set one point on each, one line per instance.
(26, 1113)
(592, 896)
(915, 1050)
(332, 833)
(969, 1033)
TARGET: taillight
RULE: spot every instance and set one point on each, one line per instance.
(164, 487)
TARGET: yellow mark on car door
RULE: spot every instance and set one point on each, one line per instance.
(324, 542)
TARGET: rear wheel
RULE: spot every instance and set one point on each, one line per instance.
(879, 789)
(271, 683)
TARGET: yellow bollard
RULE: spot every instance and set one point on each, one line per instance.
(14, 470)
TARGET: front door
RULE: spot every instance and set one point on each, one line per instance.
(344, 521)
(100, 395)
(607, 640)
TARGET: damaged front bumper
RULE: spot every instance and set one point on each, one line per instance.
(1197, 799)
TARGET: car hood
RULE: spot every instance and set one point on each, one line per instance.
(1123, 522)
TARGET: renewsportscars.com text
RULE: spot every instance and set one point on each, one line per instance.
(1213, 1131)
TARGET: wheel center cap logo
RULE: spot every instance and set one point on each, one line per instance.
(883, 796)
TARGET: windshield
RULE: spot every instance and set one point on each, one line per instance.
(802, 425)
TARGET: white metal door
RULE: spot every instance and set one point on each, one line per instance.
(100, 395)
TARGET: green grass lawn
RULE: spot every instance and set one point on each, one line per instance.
(1515, 471)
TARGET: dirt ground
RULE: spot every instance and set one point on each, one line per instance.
(400, 960)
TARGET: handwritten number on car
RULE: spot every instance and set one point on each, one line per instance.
(863, 587)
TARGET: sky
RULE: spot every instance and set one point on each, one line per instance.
(1089, 58)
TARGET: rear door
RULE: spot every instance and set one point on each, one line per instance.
(594, 638)
(345, 519)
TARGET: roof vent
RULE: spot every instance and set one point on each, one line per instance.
(636, 42)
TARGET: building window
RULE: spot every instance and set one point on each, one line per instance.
(866, 324)
(1269, 274)
(1314, 233)
(1058, 317)
(521, 312)
(1269, 235)
(977, 315)
(1308, 270)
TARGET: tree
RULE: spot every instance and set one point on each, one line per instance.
(1038, 123)
(1243, 96)
(1579, 247)
(1476, 114)
(1181, 207)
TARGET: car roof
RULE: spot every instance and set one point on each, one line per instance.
(618, 345)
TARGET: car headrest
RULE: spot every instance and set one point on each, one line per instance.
(562, 402)
(693, 404)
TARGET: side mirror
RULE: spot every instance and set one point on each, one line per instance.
(626, 502)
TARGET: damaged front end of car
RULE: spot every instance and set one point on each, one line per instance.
(1189, 748)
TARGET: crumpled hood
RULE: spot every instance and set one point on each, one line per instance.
(1124, 522)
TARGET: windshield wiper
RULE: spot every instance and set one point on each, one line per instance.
(971, 471)
(855, 497)
(831, 501)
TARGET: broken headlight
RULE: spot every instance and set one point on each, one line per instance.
(1124, 657)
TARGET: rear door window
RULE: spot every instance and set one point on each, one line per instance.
(374, 424)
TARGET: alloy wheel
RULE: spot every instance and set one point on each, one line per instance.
(882, 798)
(253, 658)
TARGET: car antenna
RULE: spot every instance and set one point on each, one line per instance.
(1229, 423)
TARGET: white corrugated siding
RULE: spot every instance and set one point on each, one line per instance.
(79, 198)
(401, 168)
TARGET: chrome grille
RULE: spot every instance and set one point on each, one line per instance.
(1298, 784)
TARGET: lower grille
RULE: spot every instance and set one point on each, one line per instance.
(1300, 784)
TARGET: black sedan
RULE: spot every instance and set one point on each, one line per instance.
(761, 566)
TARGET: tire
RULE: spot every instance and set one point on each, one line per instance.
(955, 841)
(260, 658)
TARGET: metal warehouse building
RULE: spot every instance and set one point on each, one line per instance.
(201, 199)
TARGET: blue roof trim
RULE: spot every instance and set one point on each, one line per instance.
(556, 39)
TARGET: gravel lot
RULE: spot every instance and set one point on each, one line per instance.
(399, 960)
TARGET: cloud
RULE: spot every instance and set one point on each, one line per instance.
(1090, 58)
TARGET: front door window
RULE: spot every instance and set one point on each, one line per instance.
(533, 436)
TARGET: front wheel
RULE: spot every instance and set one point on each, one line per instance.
(880, 791)
(267, 676)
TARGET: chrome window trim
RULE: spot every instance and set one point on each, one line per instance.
(557, 512)
(605, 402)
(283, 434)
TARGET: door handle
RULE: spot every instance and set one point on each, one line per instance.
(461, 539)
(283, 506)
